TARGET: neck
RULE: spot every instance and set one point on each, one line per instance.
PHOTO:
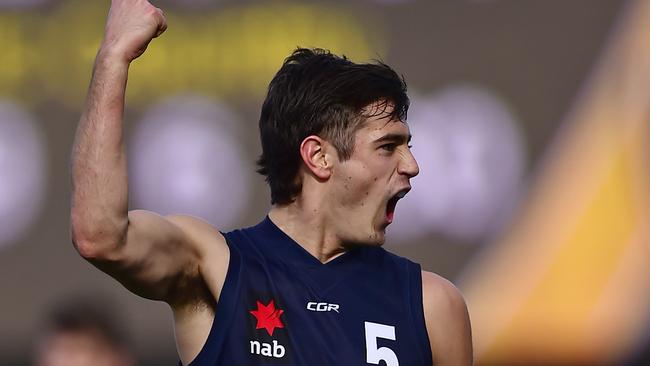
(309, 226)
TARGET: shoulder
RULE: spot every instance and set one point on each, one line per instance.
(195, 309)
(440, 294)
(447, 321)
(211, 244)
(442, 302)
(200, 233)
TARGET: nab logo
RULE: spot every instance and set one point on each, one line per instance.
(275, 350)
(268, 318)
(322, 306)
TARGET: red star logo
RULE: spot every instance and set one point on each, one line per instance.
(268, 317)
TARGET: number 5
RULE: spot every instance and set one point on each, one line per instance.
(374, 354)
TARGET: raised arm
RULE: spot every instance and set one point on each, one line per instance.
(447, 322)
(153, 256)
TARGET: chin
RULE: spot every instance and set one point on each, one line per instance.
(373, 235)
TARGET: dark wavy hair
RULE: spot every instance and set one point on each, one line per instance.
(318, 93)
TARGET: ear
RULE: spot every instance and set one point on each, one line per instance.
(313, 151)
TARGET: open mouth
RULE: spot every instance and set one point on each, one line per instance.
(392, 203)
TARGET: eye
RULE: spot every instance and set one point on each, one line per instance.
(388, 147)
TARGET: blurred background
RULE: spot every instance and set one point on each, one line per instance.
(531, 124)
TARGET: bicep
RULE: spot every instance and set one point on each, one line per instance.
(447, 321)
(156, 257)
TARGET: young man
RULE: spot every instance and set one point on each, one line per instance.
(309, 284)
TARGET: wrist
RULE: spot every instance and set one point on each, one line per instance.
(109, 57)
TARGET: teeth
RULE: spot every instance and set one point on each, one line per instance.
(401, 194)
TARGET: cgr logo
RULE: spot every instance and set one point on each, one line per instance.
(322, 306)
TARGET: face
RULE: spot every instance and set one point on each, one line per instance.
(368, 185)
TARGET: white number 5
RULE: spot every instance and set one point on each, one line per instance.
(374, 354)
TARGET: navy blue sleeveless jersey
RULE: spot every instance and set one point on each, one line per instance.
(281, 306)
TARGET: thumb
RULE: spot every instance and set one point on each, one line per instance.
(162, 24)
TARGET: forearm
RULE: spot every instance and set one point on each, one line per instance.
(99, 167)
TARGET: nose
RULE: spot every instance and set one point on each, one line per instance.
(408, 165)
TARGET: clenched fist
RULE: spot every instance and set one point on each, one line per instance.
(131, 25)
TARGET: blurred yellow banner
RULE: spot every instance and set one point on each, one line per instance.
(231, 52)
(570, 283)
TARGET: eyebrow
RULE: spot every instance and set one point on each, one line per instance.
(394, 137)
